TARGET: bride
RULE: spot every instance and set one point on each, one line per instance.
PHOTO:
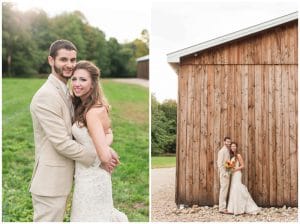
(92, 197)
(240, 200)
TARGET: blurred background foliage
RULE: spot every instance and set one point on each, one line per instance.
(163, 127)
(26, 37)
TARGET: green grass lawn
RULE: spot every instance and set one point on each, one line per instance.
(163, 161)
(130, 124)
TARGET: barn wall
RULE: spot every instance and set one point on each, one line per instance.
(143, 69)
(275, 46)
(251, 96)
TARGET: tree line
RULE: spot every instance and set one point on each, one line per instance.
(163, 126)
(26, 37)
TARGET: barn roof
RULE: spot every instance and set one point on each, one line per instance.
(174, 57)
(144, 58)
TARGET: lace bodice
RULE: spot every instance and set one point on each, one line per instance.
(82, 136)
(236, 161)
(92, 197)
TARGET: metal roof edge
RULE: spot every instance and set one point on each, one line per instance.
(144, 58)
(174, 57)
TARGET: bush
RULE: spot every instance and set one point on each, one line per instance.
(163, 126)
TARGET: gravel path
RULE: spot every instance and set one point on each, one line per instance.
(163, 207)
(141, 82)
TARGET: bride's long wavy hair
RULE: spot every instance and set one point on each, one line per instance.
(232, 154)
(96, 97)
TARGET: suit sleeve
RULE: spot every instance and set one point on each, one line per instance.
(221, 161)
(48, 112)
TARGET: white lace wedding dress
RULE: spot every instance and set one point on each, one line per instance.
(240, 200)
(92, 197)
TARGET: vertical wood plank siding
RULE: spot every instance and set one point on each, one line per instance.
(143, 69)
(246, 89)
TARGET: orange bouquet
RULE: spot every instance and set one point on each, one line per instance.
(229, 165)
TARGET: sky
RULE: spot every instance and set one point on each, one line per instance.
(123, 20)
(181, 24)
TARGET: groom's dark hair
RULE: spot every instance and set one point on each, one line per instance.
(61, 44)
(226, 138)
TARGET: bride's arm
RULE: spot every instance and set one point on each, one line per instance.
(109, 141)
(97, 134)
(109, 137)
(241, 161)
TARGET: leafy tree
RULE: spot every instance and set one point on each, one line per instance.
(163, 127)
(145, 37)
(20, 53)
(128, 60)
(157, 130)
(9, 37)
(26, 37)
(119, 58)
(69, 26)
(116, 68)
(138, 48)
(41, 35)
(169, 107)
(97, 49)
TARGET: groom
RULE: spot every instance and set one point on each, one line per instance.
(223, 156)
(55, 150)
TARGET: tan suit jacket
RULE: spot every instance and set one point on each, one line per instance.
(223, 156)
(55, 151)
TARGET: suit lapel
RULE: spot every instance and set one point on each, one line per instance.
(55, 82)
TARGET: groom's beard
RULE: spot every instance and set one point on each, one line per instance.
(59, 71)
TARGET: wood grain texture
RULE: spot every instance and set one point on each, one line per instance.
(143, 69)
(246, 89)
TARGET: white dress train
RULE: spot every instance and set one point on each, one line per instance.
(240, 200)
(92, 197)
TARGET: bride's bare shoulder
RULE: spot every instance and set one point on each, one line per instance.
(97, 112)
(239, 156)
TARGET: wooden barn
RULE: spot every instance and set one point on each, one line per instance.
(243, 85)
(143, 67)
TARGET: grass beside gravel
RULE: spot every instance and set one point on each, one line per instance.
(163, 161)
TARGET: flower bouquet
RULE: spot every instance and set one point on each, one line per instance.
(229, 165)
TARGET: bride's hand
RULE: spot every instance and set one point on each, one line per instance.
(115, 156)
(108, 167)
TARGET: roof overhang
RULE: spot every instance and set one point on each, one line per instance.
(174, 57)
(144, 58)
